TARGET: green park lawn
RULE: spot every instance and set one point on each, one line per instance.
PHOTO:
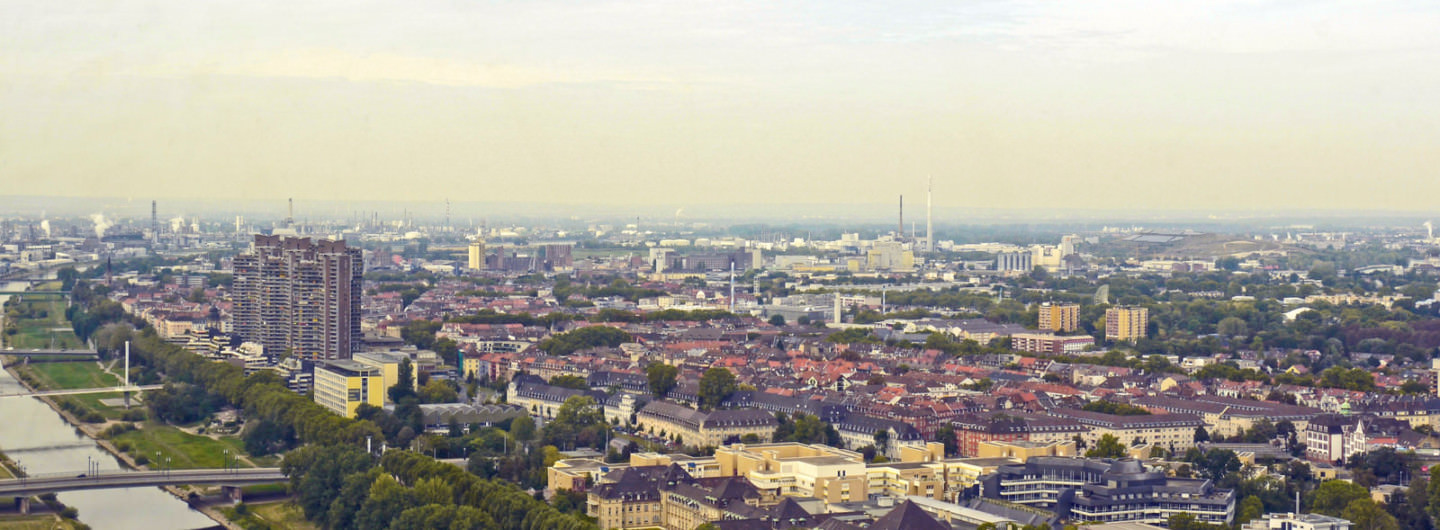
(51, 331)
(79, 374)
(282, 515)
(34, 522)
(185, 450)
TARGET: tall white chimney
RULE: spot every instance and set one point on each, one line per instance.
(929, 225)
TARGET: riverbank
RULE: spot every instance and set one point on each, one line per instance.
(59, 376)
(92, 431)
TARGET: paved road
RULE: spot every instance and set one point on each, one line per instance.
(31, 486)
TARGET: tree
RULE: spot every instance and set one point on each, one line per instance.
(715, 386)
(882, 441)
(1411, 512)
(1107, 447)
(438, 391)
(446, 348)
(1214, 464)
(405, 387)
(1366, 515)
(582, 338)
(662, 378)
(387, 500)
(420, 333)
(523, 428)
(1231, 327)
(1251, 508)
(579, 422)
(1333, 496)
(805, 428)
(946, 436)
(574, 382)
(441, 516)
(1432, 489)
(1384, 465)
(265, 437)
(317, 473)
(777, 320)
(1115, 407)
(1201, 435)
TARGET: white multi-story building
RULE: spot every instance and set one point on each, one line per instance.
(1291, 521)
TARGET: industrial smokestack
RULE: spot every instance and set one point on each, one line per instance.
(290, 213)
(900, 230)
(929, 226)
(732, 286)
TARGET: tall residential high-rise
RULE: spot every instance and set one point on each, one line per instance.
(302, 296)
(1126, 323)
(1059, 317)
(477, 254)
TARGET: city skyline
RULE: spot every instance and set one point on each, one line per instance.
(1234, 106)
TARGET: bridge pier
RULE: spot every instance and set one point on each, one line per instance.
(235, 493)
(24, 505)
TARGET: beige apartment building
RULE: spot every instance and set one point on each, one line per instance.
(798, 470)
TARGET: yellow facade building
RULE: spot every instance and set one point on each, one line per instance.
(797, 470)
(1059, 317)
(1022, 450)
(1126, 323)
(389, 366)
(342, 385)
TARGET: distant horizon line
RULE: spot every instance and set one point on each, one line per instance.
(462, 210)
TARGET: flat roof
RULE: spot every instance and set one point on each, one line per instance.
(349, 368)
(933, 505)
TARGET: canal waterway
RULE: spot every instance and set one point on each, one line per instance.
(35, 436)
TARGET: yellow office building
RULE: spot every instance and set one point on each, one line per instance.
(343, 385)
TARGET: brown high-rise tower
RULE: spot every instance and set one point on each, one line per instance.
(292, 294)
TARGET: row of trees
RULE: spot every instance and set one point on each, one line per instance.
(342, 487)
(582, 338)
(278, 419)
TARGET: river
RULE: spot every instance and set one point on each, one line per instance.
(34, 435)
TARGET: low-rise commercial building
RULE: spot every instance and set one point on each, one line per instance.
(1297, 521)
(1050, 344)
(800, 470)
(1106, 490)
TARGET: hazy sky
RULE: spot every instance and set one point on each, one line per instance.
(1114, 104)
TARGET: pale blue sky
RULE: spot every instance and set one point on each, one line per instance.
(1177, 104)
